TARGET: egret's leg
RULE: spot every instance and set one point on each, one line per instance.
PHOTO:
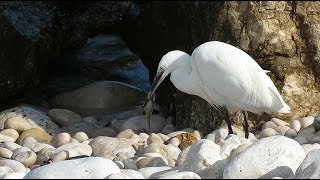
(245, 125)
(229, 120)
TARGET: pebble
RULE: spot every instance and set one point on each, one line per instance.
(104, 147)
(291, 133)
(279, 122)
(137, 123)
(5, 170)
(148, 171)
(163, 137)
(5, 153)
(125, 134)
(309, 147)
(264, 156)
(174, 141)
(267, 132)
(126, 174)
(38, 134)
(60, 139)
(154, 148)
(301, 140)
(218, 136)
(295, 124)
(183, 155)
(310, 158)
(152, 162)
(64, 117)
(86, 168)
(80, 136)
(12, 133)
(316, 123)
(177, 175)
(27, 158)
(10, 145)
(154, 138)
(18, 175)
(269, 124)
(17, 123)
(43, 155)
(306, 121)
(16, 166)
(4, 138)
(197, 134)
(203, 151)
(281, 129)
(143, 137)
(307, 133)
(232, 142)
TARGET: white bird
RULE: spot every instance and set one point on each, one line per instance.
(223, 75)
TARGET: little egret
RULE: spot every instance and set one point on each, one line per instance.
(223, 75)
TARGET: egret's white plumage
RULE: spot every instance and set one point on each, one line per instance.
(223, 75)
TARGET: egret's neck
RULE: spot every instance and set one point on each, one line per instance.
(183, 78)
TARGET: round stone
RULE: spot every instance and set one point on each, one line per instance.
(291, 133)
(269, 124)
(27, 158)
(154, 138)
(306, 121)
(18, 123)
(5, 153)
(152, 162)
(125, 134)
(38, 134)
(295, 124)
(10, 133)
(281, 129)
(80, 136)
(279, 122)
(60, 139)
(267, 132)
(163, 137)
(175, 141)
(316, 123)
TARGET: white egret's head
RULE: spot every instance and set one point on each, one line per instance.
(168, 63)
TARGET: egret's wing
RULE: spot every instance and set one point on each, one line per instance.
(230, 76)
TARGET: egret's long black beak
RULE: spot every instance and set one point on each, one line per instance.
(156, 82)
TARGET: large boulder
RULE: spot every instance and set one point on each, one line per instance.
(99, 97)
(281, 36)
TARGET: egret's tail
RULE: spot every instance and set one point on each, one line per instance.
(285, 109)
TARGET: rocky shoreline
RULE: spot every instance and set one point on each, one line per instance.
(59, 143)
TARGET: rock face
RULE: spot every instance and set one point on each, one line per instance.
(35, 34)
(281, 36)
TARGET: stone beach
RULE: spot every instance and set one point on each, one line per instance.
(278, 150)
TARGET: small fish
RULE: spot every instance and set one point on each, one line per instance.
(148, 107)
